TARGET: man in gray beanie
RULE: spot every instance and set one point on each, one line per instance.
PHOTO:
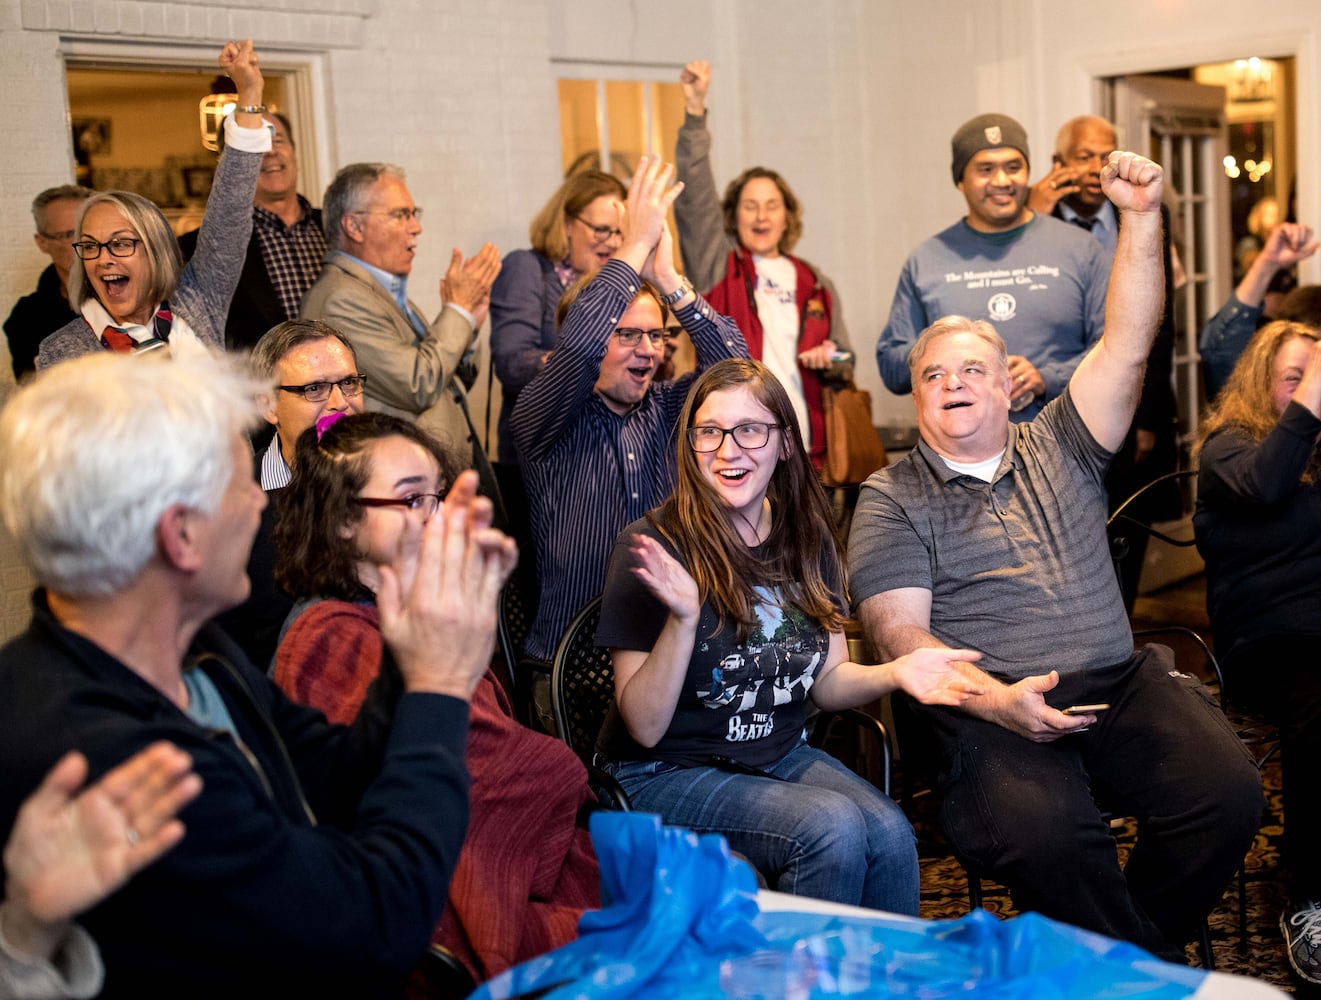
(1030, 276)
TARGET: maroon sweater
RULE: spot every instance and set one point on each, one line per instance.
(527, 869)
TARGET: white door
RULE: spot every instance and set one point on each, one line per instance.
(1182, 126)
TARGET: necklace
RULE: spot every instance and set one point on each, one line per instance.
(758, 530)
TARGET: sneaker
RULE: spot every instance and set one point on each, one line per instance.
(1302, 937)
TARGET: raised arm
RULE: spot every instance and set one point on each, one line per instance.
(1229, 330)
(698, 213)
(549, 404)
(898, 623)
(210, 276)
(1106, 386)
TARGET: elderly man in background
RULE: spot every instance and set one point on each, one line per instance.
(318, 856)
(991, 536)
(36, 316)
(415, 368)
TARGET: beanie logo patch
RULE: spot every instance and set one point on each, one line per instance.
(992, 133)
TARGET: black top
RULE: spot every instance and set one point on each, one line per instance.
(34, 318)
(1257, 528)
(740, 701)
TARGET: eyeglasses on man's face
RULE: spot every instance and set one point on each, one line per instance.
(120, 246)
(631, 336)
(319, 392)
(63, 237)
(426, 503)
(708, 437)
(600, 234)
(394, 214)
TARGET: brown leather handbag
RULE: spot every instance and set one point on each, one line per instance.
(853, 448)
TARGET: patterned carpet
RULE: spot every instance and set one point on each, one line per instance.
(945, 890)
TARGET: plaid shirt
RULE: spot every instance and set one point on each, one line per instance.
(292, 254)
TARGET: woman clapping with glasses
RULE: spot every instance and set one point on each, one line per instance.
(128, 280)
(723, 610)
(364, 486)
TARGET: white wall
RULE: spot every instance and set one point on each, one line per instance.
(853, 100)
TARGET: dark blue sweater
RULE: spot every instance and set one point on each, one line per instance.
(317, 858)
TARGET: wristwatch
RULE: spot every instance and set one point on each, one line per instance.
(684, 288)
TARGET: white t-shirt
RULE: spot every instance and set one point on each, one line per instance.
(777, 309)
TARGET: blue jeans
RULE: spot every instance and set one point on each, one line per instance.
(821, 831)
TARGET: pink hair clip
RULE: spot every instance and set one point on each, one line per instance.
(324, 423)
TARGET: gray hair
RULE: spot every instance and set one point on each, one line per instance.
(94, 450)
(346, 195)
(65, 192)
(164, 261)
(282, 338)
(947, 325)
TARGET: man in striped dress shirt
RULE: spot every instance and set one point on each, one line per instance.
(991, 536)
(594, 434)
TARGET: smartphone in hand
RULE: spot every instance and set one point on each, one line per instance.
(1084, 709)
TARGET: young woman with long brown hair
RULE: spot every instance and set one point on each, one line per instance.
(723, 609)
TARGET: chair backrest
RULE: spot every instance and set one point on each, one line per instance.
(1131, 525)
(1132, 518)
(582, 682)
(512, 626)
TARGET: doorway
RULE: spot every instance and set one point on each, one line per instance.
(1225, 134)
(135, 122)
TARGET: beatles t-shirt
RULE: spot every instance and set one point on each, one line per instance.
(741, 702)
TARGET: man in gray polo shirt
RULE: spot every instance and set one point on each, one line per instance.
(991, 535)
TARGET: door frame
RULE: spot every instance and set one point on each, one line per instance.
(303, 73)
(1300, 44)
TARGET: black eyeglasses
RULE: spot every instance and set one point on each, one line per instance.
(427, 503)
(749, 437)
(319, 392)
(600, 233)
(673, 332)
(120, 246)
(631, 336)
(68, 234)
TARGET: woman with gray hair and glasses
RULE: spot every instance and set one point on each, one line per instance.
(128, 282)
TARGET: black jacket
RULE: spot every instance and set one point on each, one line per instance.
(317, 858)
(255, 307)
(34, 318)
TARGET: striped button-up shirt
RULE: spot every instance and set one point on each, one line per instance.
(590, 472)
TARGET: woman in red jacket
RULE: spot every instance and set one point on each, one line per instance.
(738, 247)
